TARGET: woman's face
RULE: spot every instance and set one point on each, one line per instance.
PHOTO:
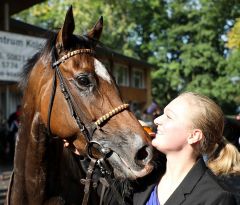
(174, 126)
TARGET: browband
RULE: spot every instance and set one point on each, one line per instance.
(73, 53)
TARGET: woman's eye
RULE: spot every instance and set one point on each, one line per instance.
(168, 117)
(83, 80)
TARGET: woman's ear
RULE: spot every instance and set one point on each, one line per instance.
(195, 136)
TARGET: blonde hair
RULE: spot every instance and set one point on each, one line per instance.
(210, 119)
(226, 160)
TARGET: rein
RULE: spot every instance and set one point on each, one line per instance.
(87, 132)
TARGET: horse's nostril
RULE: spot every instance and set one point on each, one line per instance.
(143, 155)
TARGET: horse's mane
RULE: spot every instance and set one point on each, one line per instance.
(46, 51)
(43, 51)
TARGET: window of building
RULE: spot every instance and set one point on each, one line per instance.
(138, 78)
(121, 75)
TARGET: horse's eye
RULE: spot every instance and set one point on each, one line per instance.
(83, 80)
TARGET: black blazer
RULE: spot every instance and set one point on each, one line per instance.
(199, 187)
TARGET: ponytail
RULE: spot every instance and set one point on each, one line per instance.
(225, 159)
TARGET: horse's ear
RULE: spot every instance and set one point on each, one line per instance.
(96, 31)
(64, 35)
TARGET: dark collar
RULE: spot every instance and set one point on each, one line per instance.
(186, 186)
(145, 185)
(140, 198)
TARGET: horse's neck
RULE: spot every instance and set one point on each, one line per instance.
(42, 166)
(29, 162)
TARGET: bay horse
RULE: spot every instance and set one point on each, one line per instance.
(71, 98)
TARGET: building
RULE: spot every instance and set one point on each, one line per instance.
(132, 76)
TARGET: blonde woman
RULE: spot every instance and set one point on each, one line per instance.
(191, 125)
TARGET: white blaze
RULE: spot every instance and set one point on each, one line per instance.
(101, 71)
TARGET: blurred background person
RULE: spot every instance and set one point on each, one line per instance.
(13, 124)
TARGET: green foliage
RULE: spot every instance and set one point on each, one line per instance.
(51, 14)
(185, 39)
(234, 36)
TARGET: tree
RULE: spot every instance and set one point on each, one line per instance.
(50, 15)
(190, 52)
(234, 36)
(234, 56)
(185, 39)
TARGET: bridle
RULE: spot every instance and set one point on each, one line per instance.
(87, 131)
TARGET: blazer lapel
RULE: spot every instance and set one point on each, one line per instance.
(176, 198)
(141, 197)
(188, 184)
(146, 185)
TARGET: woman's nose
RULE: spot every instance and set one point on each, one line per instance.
(157, 120)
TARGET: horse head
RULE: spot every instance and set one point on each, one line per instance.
(95, 103)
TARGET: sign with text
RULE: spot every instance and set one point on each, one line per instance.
(15, 50)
